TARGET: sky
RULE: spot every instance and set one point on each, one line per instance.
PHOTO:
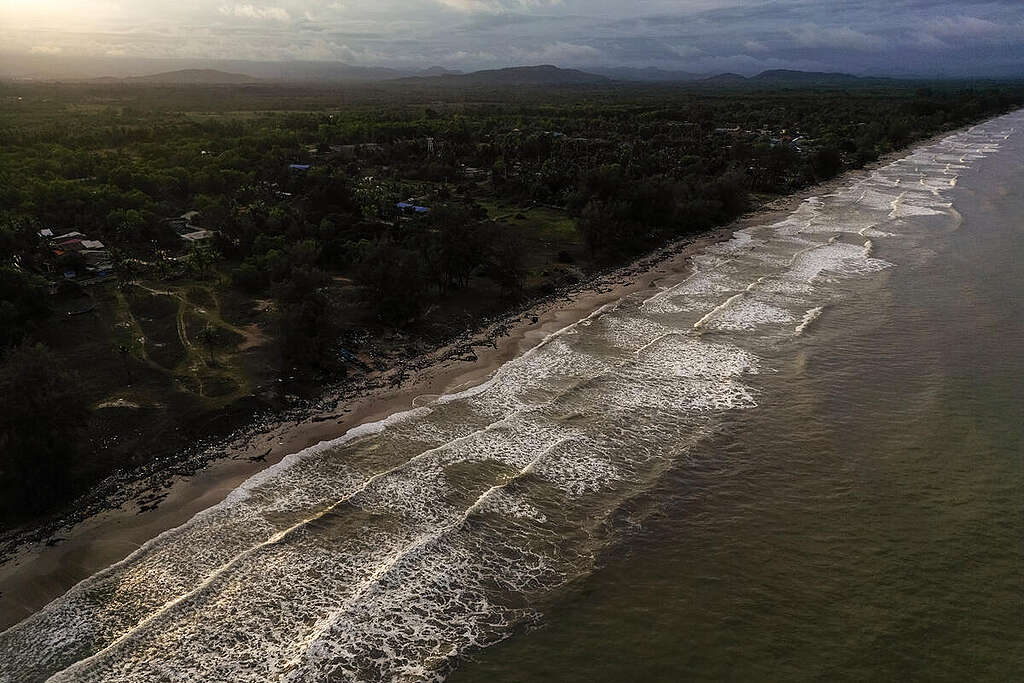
(876, 37)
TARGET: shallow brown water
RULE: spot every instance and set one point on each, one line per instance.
(866, 522)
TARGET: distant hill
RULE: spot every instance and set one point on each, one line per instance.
(725, 79)
(787, 78)
(805, 77)
(193, 76)
(325, 72)
(438, 71)
(647, 75)
(176, 71)
(114, 70)
(519, 75)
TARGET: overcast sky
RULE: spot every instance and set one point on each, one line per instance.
(962, 37)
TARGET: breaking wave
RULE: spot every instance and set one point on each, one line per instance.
(810, 316)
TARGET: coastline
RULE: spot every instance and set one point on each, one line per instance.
(40, 572)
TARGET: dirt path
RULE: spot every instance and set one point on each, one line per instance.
(195, 361)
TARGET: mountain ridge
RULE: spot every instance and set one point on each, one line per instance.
(542, 74)
(648, 74)
(110, 70)
(193, 76)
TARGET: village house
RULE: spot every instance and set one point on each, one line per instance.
(185, 228)
(409, 208)
(79, 258)
(475, 174)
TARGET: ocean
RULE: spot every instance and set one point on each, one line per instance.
(802, 462)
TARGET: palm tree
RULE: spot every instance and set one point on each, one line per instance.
(208, 337)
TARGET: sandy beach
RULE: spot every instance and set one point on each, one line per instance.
(40, 572)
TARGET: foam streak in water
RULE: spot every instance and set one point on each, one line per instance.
(809, 318)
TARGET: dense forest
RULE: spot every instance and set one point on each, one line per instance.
(170, 256)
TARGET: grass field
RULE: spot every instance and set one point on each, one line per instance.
(546, 231)
(157, 361)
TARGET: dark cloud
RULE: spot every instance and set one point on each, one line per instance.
(962, 37)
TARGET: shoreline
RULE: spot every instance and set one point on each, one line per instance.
(42, 571)
(39, 572)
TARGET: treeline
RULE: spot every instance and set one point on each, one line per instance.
(633, 167)
(630, 166)
(42, 411)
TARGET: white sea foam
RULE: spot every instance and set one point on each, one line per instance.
(692, 294)
(630, 333)
(718, 309)
(838, 259)
(809, 318)
(750, 314)
(871, 231)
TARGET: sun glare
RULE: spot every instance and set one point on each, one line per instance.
(56, 14)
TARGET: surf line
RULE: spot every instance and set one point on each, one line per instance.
(809, 317)
(718, 309)
(728, 302)
(896, 205)
(212, 576)
(568, 329)
(368, 585)
(273, 540)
